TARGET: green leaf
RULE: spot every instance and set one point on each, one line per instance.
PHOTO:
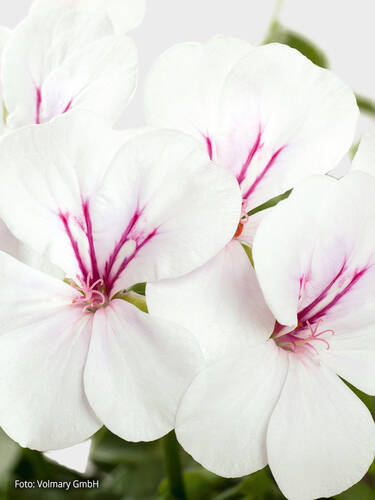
(107, 449)
(200, 485)
(260, 486)
(10, 454)
(280, 34)
(270, 203)
(366, 105)
(138, 288)
(249, 253)
(360, 491)
(134, 470)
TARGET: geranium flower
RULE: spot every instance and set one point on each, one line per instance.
(60, 58)
(273, 394)
(73, 355)
(267, 114)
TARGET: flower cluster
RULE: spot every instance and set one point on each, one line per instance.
(244, 357)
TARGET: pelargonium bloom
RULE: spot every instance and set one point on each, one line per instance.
(267, 113)
(272, 392)
(61, 57)
(73, 354)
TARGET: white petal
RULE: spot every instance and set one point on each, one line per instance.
(47, 172)
(138, 368)
(364, 159)
(101, 79)
(268, 114)
(8, 243)
(156, 193)
(282, 119)
(222, 420)
(322, 244)
(321, 437)
(59, 60)
(124, 14)
(352, 349)
(170, 210)
(43, 347)
(183, 89)
(293, 226)
(324, 268)
(221, 303)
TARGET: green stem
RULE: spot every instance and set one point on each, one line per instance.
(173, 466)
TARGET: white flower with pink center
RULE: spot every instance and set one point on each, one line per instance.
(109, 213)
(266, 113)
(70, 54)
(274, 391)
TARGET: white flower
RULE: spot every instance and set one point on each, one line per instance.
(60, 58)
(273, 394)
(73, 356)
(267, 114)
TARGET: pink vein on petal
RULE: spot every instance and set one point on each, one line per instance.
(123, 239)
(256, 146)
(90, 238)
(67, 107)
(38, 104)
(356, 277)
(263, 173)
(127, 260)
(305, 311)
(208, 145)
(65, 220)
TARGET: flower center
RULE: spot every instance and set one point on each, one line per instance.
(91, 295)
(243, 220)
(304, 339)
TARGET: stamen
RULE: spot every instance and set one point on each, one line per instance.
(294, 340)
(89, 297)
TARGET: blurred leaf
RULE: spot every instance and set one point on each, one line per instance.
(260, 486)
(10, 454)
(360, 491)
(353, 150)
(134, 470)
(366, 105)
(280, 34)
(200, 485)
(107, 448)
(5, 114)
